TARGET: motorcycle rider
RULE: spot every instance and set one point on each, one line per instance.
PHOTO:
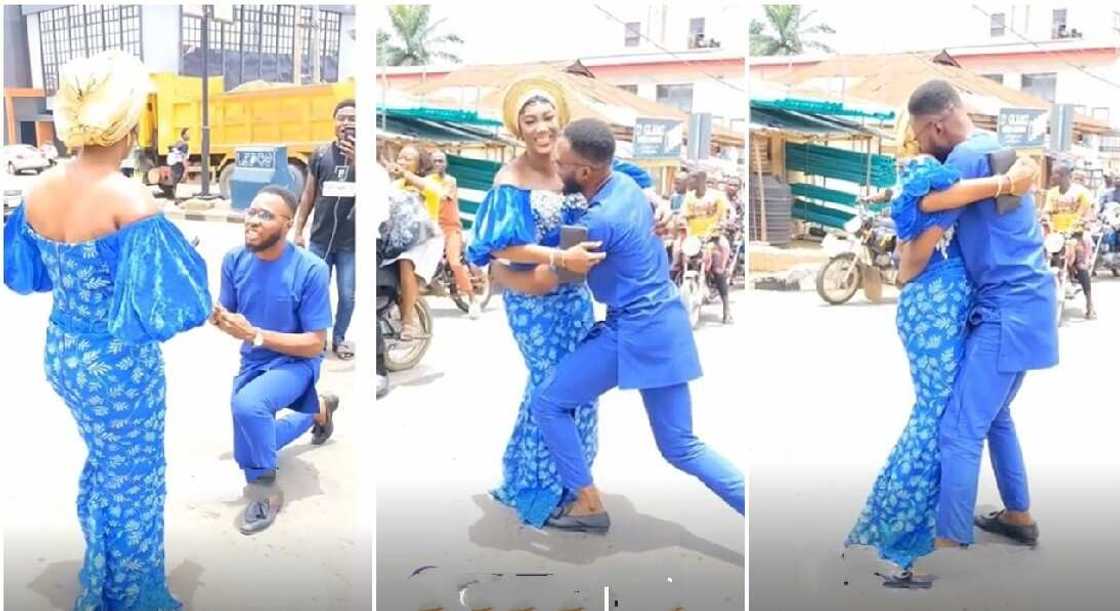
(452, 228)
(706, 210)
(1067, 202)
(1069, 206)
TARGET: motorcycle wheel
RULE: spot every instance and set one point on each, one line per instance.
(693, 300)
(1061, 289)
(401, 355)
(483, 289)
(828, 283)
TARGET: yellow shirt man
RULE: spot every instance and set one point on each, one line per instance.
(1066, 209)
(704, 212)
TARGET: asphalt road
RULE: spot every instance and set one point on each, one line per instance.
(828, 394)
(441, 434)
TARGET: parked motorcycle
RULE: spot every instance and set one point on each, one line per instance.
(862, 256)
(1108, 240)
(394, 353)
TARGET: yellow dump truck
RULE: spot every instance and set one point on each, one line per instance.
(297, 116)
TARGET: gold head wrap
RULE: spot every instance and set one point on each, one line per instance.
(522, 90)
(100, 98)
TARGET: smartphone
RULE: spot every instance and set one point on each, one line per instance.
(570, 235)
(348, 133)
(1000, 162)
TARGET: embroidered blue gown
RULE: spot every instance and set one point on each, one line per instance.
(115, 299)
(900, 516)
(546, 328)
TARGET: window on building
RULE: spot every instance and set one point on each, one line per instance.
(631, 88)
(995, 77)
(1058, 25)
(696, 33)
(81, 30)
(678, 96)
(1043, 85)
(633, 33)
(1102, 113)
(999, 24)
(260, 44)
(330, 31)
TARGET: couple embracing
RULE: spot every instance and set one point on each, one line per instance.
(568, 176)
(977, 311)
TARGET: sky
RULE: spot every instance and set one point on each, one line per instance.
(547, 31)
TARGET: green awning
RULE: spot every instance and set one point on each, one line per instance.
(820, 108)
(443, 115)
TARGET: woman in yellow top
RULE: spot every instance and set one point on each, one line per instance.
(423, 260)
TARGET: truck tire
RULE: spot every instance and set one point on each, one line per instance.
(299, 175)
(224, 177)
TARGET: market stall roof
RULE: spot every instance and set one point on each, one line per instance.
(802, 119)
(483, 87)
(436, 124)
(890, 79)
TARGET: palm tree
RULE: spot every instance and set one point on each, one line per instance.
(788, 31)
(414, 41)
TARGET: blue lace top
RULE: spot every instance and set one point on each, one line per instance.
(919, 177)
(142, 283)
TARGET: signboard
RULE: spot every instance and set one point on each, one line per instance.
(1061, 128)
(658, 139)
(257, 160)
(1022, 127)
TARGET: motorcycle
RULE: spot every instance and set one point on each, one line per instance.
(695, 280)
(1108, 241)
(862, 256)
(443, 285)
(394, 353)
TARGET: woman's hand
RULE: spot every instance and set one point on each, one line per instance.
(1022, 175)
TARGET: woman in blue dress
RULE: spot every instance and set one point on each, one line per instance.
(525, 207)
(899, 517)
(123, 279)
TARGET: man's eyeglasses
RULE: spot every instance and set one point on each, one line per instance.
(262, 214)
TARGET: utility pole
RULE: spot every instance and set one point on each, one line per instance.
(206, 13)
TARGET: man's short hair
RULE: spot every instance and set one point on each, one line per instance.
(284, 194)
(932, 98)
(348, 102)
(591, 139)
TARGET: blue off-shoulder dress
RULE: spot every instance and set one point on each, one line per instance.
(900, 516)
(546, 327)
(115, 299)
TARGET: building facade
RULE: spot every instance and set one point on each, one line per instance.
(261, 42)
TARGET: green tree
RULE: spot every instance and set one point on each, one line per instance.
(786, 31)
(414, 40)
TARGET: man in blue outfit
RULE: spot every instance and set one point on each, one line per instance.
(275, 299)
(1013, 328)
(645, 344)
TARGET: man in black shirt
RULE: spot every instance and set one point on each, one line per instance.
(330, 191)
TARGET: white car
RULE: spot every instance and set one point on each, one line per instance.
(22, 157)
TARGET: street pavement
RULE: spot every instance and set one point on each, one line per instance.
(315, 556)
(827, 394)
(440, 438)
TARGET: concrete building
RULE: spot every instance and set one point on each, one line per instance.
(262, 42)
